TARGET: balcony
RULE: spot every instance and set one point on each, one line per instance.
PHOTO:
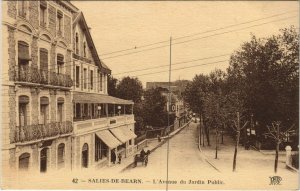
(102, 123)
(76, 56)
(41, 131)
(34, 75)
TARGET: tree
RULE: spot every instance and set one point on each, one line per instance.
(266, 73)
(112, 86)
(275, 133)
(154, 108)
(130, 89)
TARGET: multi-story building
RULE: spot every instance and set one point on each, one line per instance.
(56, 113)
(36, 84)
(102, 124)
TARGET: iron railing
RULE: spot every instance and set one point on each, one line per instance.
(35, 75)
(41, 131)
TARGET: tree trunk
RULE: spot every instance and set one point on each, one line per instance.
(217, 135)
(276, 157)
(238, 128)
(235, 151)
(207, 135)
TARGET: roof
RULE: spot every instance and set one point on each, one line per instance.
(82, 97)
(78, 18)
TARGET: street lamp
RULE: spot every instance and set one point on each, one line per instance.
(99, 110)
(119, 110)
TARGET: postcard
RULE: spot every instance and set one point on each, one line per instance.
(160, 95)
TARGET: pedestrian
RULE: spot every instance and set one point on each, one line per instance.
(143, 153)
(120, 158)
(113, 156)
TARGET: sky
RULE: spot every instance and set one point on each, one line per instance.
(209, 29)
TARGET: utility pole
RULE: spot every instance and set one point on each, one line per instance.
(169, 103)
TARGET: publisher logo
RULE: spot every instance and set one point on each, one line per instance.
(275, 180)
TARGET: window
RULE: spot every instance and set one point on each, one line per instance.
(101, 82)
(44, 159)
(60, 109)
(44, 65)
(84, 78)
(76, 44)
(61, 156)
(59, 22)
(44, 103)
(24, 161)
(100, 149)
(92, 108)
(85, 156)
(43, 13)
(92, 78)
(60, 63)
(23, 104)
(84, 49)
(22, 8)
(86, 110)
(130, 142)
(77, 76)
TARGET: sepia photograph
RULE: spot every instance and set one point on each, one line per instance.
(149, 95)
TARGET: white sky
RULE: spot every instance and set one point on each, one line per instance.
(123, 25)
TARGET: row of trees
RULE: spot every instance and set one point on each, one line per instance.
(261, 83)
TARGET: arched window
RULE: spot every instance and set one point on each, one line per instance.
(24, 161)
(60, 109)
(23, 110)
(44, 65)
(84, 49)
(61, 155)
(76, 43)
(60, 63)
(44, 109)
(85, 156)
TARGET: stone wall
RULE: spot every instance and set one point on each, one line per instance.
(34, 13)
(11, 53)
(52, 19)
(67, 28)
(12, 9)
(34, 52)
(12, 112)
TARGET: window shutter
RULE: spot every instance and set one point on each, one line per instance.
(60, 59)
(23, 51)
(44, 59)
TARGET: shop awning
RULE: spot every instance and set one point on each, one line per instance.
(80, 97)
(123, 134)
(108, 139)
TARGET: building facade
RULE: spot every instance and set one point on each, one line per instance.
(103, 125)
(56, 112)
(36, 85)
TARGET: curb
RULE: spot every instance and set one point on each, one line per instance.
(292, 168)
(205, 158)
(166, 138)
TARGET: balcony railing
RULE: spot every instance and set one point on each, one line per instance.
(41, 131)
(34, 75)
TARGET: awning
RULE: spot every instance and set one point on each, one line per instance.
(108, 139)
(123, 134)
(80, 97)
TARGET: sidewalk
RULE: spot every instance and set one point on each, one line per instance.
(247, 160)
(152, 145)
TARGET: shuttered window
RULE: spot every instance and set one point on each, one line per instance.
(44, 59)
(23, 52)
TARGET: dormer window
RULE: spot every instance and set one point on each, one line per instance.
(43, 13)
